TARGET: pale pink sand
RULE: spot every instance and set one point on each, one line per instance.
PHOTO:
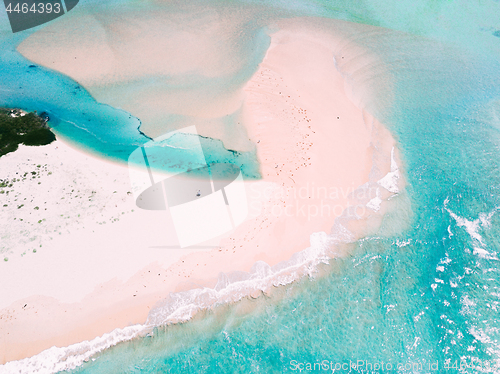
(311, 140)
(114, 53)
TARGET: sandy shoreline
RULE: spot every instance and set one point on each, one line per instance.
(315, 148)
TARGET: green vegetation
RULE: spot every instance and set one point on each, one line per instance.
(16, 127)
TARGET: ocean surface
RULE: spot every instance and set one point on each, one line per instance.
(421, 295)
(112, 132)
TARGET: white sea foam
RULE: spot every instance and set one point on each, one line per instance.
(182, 306)
(467, 303)
(403, 243)
(230, 288)
(56, 359)
(450, 234)
(376, 202)
(390, 181)
(485, 219)
(473, 227)
(484, 335)
(483, 253)
(446, 260)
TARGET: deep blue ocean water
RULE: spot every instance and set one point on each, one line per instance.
(425, 289)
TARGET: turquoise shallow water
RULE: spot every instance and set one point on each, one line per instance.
(425, 294)
(428, 295)
(72, 111)
(425, 289)
(102, 129)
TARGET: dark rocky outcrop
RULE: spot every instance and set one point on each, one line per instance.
(18, 127)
